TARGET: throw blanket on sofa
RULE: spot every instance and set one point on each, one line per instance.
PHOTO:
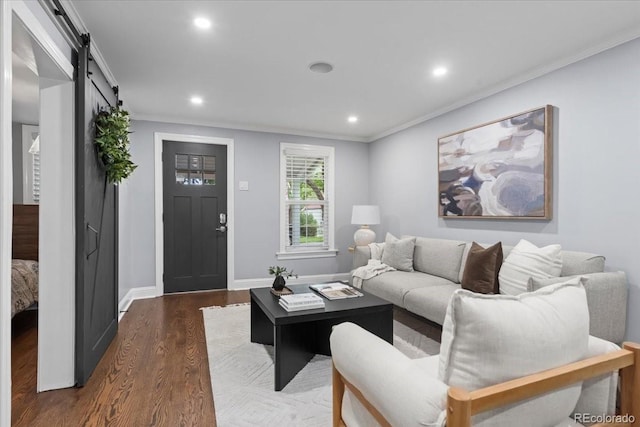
(373, 268)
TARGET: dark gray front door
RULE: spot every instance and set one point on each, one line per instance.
(96, 226)
(195, 223)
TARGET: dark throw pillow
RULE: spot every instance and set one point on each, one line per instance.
(482, 268)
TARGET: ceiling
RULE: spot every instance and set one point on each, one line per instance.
(252, 66)
(25, 82)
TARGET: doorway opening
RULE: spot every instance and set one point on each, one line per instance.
(42, 123)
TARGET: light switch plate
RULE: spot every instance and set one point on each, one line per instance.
(243, 185)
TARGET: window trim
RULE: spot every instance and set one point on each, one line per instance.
(314, 252)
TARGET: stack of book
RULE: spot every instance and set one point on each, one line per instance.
(305, 301)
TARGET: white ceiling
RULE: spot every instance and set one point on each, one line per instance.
(251, 67)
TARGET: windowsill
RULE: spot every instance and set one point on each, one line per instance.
(307, 254)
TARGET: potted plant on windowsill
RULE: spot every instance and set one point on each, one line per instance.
(281, 273)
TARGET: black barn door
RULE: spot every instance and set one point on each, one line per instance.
(195, 223)
(96, 226)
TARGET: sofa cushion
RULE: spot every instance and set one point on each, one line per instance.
(581, 263)
(430, 303)
(488, 339)
(428, 366)
(393, 285)
(573, 262)
(527, 260)
(481, 269)
(398, 253)
(604, 290)
(439, 257)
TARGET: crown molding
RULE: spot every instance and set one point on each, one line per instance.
(246, 127)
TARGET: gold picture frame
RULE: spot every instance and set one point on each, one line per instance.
(498, 170)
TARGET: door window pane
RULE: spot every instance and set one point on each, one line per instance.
(195, 177)
(182, 161)
(182, 177)
(195, 162)
(209, 178)
(209, 163)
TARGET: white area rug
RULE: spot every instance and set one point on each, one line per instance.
(242, 374)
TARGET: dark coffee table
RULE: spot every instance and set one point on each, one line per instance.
(297, 336)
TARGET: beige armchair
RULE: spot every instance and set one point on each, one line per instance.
(525, 361)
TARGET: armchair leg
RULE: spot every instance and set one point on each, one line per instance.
(458, 408)
(338, 393)
(630, 386)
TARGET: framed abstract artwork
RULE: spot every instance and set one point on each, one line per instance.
(500, 169)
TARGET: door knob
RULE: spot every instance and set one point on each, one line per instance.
(221, 229)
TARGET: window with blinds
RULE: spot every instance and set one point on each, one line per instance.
(30, 164)
(307, 199)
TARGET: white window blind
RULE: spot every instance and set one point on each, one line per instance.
(307, 204)
(35, 188)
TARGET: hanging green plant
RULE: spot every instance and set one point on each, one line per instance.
(112, 140)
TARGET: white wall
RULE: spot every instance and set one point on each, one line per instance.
(256, 210)
(56, 314)
(596, 171)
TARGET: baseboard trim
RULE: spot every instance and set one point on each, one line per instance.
(267, 282)
(152, 292)
(55, 386)
(134, 294)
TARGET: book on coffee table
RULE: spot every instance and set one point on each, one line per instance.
(336, 290)
(304, 301)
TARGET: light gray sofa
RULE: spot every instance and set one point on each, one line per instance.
(438, 266)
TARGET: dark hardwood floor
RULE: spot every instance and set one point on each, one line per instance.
(155, 372)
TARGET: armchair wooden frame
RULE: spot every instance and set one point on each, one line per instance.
(463, 404)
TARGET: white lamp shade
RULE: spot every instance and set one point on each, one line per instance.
(365, 215)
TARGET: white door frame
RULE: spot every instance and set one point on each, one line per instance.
(39, 33)
(6, 212)
(159, 137)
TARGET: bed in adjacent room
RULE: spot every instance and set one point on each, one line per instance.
(24, 254)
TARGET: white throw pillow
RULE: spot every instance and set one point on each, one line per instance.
(489, 339)
(527, 260)
(398, 253)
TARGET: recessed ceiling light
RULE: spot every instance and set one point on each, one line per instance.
(352, 119)
(321, 67)
(439, 71)
(202, 23)
(197, 100)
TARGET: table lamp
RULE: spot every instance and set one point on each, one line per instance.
(365, 215)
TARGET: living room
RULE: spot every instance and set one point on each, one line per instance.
(596, 108)
(591, 210)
